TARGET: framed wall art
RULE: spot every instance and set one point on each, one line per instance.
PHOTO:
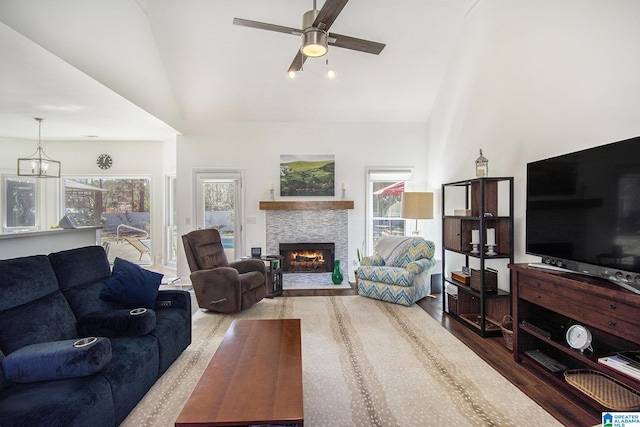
(307, 175)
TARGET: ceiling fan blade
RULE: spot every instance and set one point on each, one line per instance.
(265, 26)
(329, 12)
(296, 65)
(353, 43)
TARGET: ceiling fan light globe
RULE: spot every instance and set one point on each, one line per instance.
(314, 51)
(314, 43)
(291, 75)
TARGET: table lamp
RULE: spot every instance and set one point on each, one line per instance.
(417, 205)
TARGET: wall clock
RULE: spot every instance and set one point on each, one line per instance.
(579, 337)
(104, 161)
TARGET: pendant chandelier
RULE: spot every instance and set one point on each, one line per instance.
(39, 165)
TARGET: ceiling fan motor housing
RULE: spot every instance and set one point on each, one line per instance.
(314, 40)
(308, 18)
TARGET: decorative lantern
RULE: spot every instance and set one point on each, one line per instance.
(482, 166)
(39, 165)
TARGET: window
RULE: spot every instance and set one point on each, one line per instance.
(20, 204)
(121, 206)
(171, 225)
(384, 196)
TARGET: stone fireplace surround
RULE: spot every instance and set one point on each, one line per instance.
(309, 226)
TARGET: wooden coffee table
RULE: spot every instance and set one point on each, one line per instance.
(255, 377)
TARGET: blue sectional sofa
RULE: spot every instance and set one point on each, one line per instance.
(73, 355)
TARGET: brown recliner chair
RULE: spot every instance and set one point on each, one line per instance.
(219, 285)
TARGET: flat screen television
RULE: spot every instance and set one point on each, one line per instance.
(583, 212)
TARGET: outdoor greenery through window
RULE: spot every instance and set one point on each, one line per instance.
(171, 224)
(121, 206)
(219, 197)
(387, 202)
(384, 202)
(20, 203)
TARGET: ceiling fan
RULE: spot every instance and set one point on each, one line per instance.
(315, 33)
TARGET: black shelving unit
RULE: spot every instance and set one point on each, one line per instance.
(479, 307)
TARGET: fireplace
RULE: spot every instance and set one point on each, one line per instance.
(307, 257)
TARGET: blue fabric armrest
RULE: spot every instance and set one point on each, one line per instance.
(173, 298)
(56, 360)
(118, 323)
(3, 380)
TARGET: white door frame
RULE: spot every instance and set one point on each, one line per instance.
(202, 175)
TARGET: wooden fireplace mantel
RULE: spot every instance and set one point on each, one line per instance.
(306, 205)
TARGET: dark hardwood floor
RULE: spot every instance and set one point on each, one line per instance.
(569, 411)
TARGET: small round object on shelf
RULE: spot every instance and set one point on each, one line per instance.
(579, 337)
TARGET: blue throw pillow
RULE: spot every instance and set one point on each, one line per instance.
(131, 286)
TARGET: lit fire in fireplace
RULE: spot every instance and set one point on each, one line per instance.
(306, 260)
(307, 257)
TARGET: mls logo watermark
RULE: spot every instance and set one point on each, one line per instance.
(621, 419)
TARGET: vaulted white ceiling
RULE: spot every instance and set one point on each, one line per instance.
(134, 70)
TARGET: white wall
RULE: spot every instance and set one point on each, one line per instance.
(113, 43)
(531, 80)
(134, 159)
(528, 80)
(255, 148)
(12, 149)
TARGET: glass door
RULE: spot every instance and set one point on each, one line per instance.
(218, 206)
(171, 226)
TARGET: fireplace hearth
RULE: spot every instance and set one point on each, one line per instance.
(307, 257)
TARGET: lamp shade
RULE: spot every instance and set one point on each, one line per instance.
(417, 205)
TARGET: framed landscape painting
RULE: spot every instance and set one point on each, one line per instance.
(307, 175)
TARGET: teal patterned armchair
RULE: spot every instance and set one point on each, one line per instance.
(400, 272)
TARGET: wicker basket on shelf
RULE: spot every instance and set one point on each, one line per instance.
(607, 391)
(507, 331)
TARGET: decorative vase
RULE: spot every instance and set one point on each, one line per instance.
(336, 276)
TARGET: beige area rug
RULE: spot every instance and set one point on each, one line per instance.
(365, 363)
